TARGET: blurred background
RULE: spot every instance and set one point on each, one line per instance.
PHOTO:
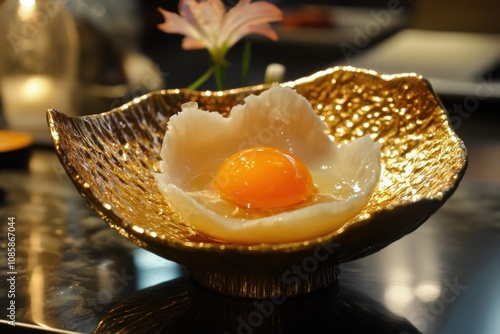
(115, 52)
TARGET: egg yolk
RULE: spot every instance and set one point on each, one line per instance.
(264, 178)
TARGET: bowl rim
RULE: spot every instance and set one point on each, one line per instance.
(155, 245)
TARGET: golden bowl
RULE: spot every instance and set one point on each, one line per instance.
(111, 158)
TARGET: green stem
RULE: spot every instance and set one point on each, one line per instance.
(219, 76)
(245, 62)
(203, 78)
(220, 63)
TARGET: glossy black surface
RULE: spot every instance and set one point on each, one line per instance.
(73, 272)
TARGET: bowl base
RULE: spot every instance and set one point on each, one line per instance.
(291, 282)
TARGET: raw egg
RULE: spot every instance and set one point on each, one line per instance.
(264, 178)
(267, 173)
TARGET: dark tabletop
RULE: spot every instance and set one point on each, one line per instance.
(71, 272)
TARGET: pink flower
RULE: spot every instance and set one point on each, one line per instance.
(206, 23)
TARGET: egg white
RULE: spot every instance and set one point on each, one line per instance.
(197, 142)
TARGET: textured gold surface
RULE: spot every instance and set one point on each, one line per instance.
(110, 158)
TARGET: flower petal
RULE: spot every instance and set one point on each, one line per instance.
(206, 17)
(189, 43)
(199, 21)
(208, 14)
(245, 17)
(175, 24)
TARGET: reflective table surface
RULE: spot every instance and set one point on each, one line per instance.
(71, 273)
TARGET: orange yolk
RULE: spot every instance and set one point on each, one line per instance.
(264, 178)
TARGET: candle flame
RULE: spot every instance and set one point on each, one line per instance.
(26, 9)
(34, 87)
